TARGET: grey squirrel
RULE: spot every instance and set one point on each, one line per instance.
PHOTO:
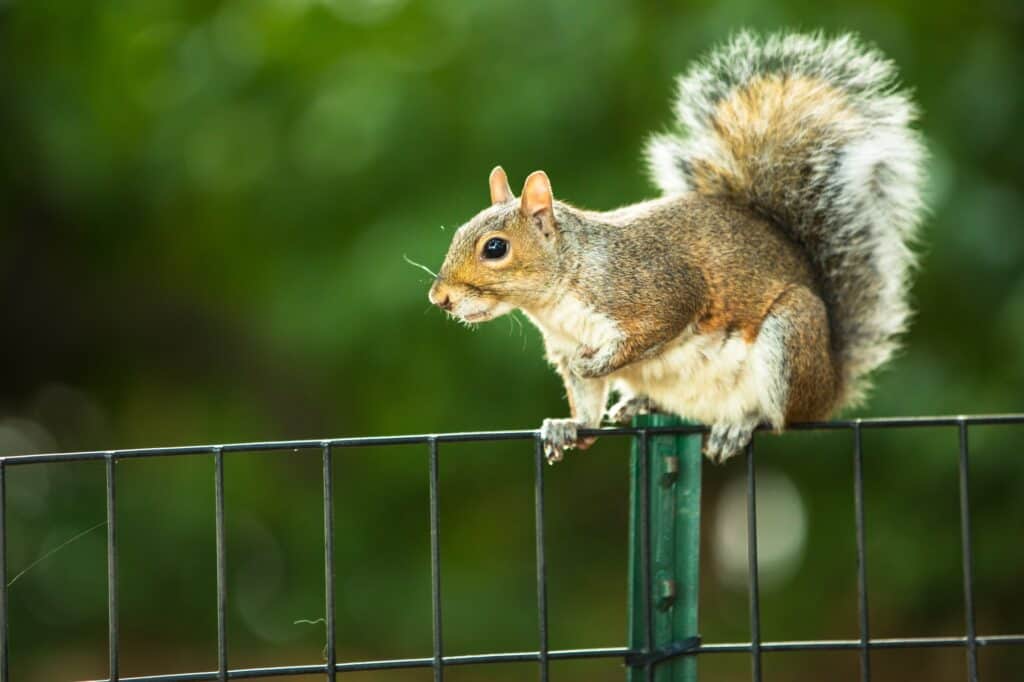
(763, 286)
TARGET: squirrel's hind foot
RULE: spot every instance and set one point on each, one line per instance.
(727, 439)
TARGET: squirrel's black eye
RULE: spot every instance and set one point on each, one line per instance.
(495, 248)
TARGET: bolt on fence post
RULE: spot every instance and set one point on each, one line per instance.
(664, 585)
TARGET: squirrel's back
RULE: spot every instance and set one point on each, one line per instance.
(812, 133)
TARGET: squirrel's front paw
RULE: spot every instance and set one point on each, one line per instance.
(558, 435)
(623, 411)
(728, 439)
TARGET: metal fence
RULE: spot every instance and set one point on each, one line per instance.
(654, 652)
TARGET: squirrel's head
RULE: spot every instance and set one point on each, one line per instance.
(504, 257)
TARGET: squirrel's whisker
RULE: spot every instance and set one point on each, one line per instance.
(421, 266)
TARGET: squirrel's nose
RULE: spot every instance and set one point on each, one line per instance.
(439, 296)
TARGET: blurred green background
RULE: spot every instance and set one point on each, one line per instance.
(205, 208)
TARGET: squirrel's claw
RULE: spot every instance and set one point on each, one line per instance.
(558, 435)
(727, 439)
(623, 411)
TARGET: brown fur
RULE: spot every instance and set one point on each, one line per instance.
(738, 269)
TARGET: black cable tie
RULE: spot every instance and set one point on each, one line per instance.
(673, 650)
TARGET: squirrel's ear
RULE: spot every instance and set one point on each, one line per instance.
(500, 190)
(537, 202)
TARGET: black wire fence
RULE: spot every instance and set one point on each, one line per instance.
(644, 661)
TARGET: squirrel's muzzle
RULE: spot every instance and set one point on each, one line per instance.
(440, 296)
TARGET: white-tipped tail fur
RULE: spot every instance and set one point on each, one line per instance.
(813, 133)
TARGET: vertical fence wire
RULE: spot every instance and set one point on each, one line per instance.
(862, 561)
(967, 554)
(435, 563)
(542, 569)
(329, 596)
(754, 590)
(645, 551)
(113, 634)
(4, 648)
(222, 590)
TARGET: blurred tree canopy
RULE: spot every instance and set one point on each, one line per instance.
(205, 209)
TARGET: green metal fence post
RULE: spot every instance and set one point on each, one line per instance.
(673, 468)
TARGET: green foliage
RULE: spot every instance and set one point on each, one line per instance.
(205, 209)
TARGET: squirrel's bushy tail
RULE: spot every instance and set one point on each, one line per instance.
(813, 133)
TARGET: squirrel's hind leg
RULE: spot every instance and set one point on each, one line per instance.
(790, 373)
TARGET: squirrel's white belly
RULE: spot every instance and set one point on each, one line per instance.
(706, 377)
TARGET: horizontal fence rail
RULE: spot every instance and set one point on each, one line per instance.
(477, 436)
(640, 657)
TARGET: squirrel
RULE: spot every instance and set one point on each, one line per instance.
(764, 285)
